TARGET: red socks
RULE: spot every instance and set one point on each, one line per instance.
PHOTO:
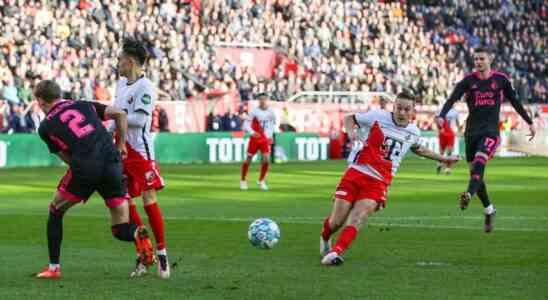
(157, 223)
(245, 167)
(264, 169)
(345, 239)
(326, 231)
(134, 215)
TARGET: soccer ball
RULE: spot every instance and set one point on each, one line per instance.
(263, 233)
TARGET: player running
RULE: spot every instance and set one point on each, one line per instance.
(73, 131)
(383, 140)
(446, 136)
(485, 90)
(260, 124)
(136, 95)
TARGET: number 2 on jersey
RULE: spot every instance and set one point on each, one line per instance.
(75, 120)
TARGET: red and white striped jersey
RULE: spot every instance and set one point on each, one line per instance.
(397, 141)
(261, 121)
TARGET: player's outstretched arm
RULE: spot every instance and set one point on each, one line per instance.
(510, 93)
(457, 93)
(425, 152)
(120, 118)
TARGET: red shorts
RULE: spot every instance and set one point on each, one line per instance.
(256, 144)
(142, 175)
(446, 141)
(355, 186)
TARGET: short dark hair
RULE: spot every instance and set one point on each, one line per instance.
(407, 96)
(263, 94)
(135, 49)
(47, 90)
(482, 49)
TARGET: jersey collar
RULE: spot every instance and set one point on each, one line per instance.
(138, 78)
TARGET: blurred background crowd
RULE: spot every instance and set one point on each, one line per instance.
(327, 45)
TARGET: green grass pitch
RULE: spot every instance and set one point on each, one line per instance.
(420, 247)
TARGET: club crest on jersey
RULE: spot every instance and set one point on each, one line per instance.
(149, 176)
(493, 85)
(130, 100)
(146, 99)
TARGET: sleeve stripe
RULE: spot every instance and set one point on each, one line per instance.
(356, 121)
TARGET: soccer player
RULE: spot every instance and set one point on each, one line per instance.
(73, 131)
(446, 136)
(260, 124)
(136, 95)
(383, 141)
(485, 90)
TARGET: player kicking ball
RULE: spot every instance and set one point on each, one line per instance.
(73, 131)
(384, 140)
(136, 95)
(260, 124)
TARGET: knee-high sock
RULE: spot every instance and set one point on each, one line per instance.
(264, 170)
(157, 224)
(482, 194)
(326, 230)
(245, 168)
(54, 234)
(476, 175)
(345, 239)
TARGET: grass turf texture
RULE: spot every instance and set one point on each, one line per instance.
(421, 247)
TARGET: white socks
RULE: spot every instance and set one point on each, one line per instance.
(489, 209)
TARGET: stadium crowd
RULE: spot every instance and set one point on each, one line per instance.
(329, 45)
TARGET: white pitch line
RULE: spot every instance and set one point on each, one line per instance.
(373, 222)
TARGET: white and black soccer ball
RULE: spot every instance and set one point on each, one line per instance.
(263, 233)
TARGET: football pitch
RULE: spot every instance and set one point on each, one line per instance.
(422, 246)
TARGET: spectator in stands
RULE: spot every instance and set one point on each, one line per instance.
(326, 44)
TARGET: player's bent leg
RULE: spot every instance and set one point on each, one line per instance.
(476, 174)
(357, 216)
(57, 209)
(339, 214)
(332, 223)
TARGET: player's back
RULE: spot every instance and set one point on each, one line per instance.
(75, 127)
